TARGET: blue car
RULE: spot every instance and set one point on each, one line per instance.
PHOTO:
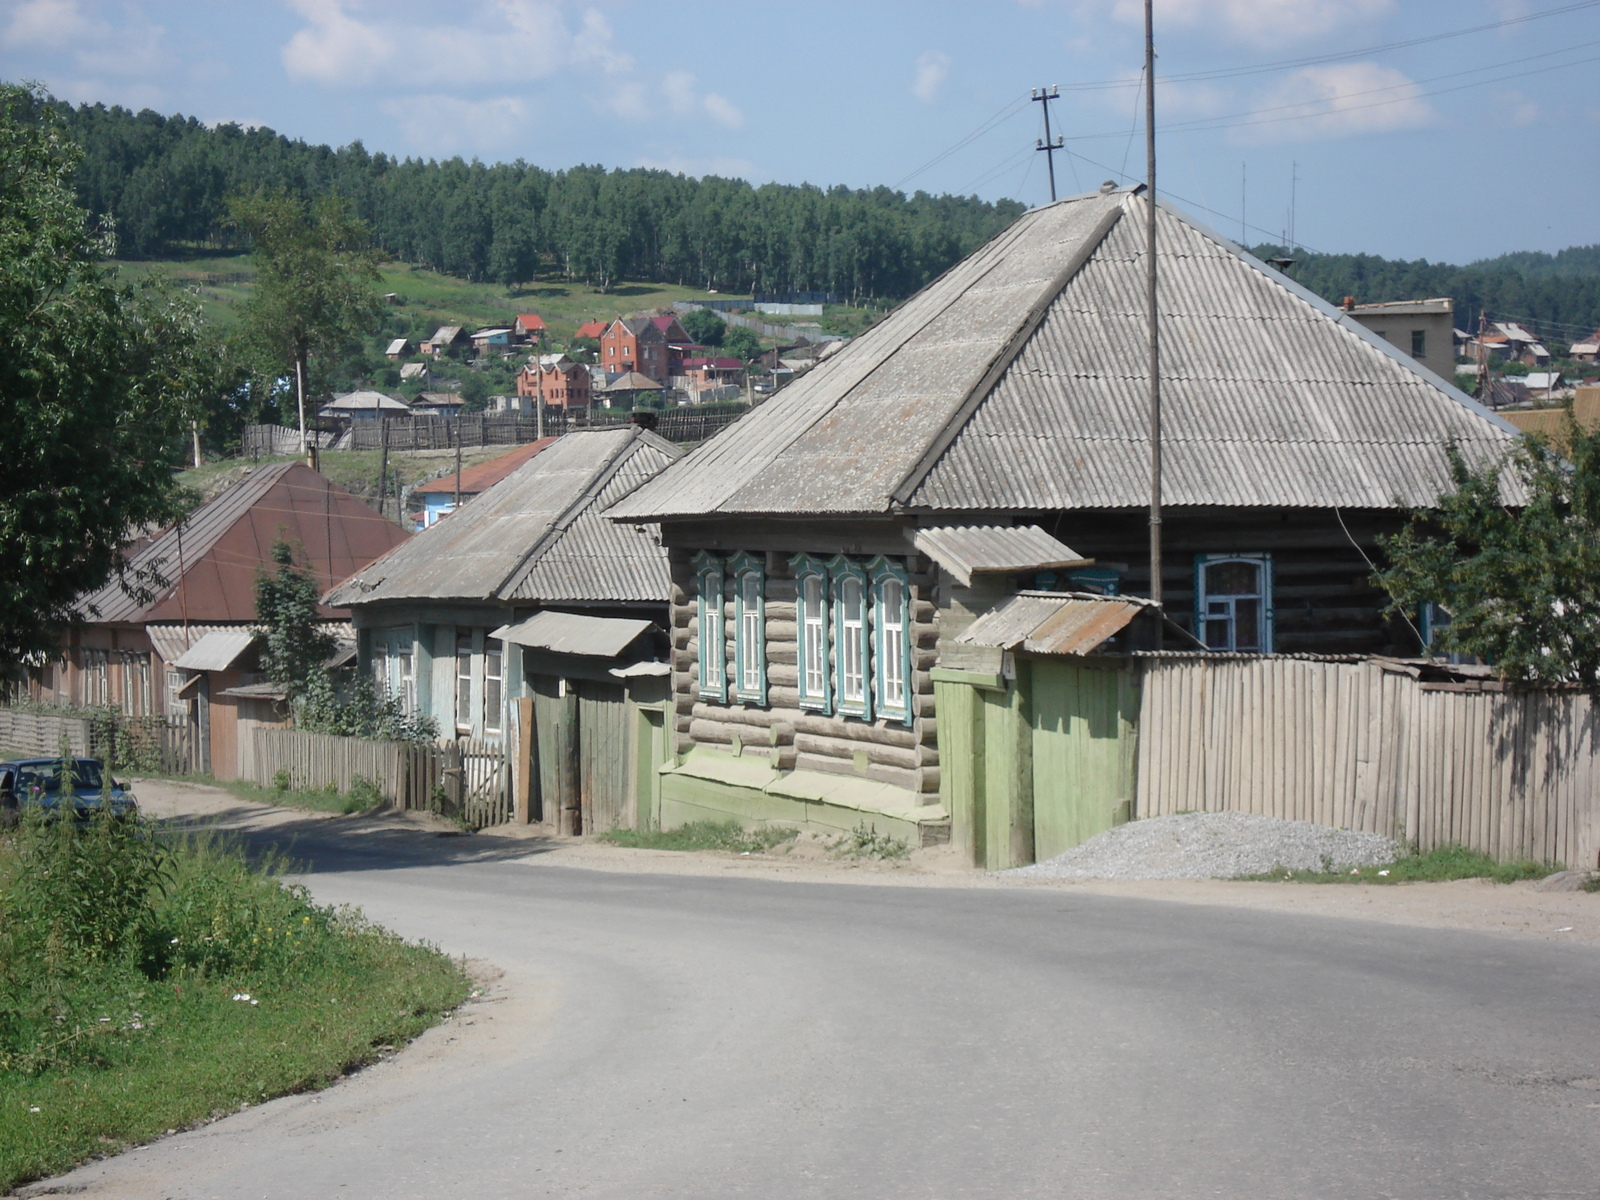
(26, 781)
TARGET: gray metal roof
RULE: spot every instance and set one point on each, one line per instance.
(538, 528)
(575, 633)
(1053, 623)
(217, 651)
(1018, 381)
(968, 550)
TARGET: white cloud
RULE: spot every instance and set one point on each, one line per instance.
(125, 63)
(722, 110)
(48, 24)
(1263, 23)
(445, 125)
(1338, 101)
(681, 97)
(933, 68)
(336, 48)
(1514, 109)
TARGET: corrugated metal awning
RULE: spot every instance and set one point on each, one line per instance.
(575, 633)
(1053, 622)
(217, 651)
(968, 550)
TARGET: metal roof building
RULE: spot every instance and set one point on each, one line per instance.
(537, 534)
(1017, 381)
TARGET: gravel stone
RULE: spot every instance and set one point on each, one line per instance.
(1214, 846)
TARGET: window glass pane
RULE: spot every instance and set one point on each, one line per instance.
(814, 634)
(1233, 579)
(464, 681)
(892, 644)
(1247, 624)
(491, 689)
(852, 677)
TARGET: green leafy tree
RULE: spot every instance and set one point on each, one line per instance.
(315, 287)
(474, 392)
(99, 384)
(705, 326)
(742, 343)
(297, 644)
(1521, 584)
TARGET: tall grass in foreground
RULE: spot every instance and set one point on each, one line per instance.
(1435, 866)
(146, 985)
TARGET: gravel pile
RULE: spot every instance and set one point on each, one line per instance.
(1214, 846)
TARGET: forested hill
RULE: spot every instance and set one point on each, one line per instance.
(1556, 294)
(165, 180)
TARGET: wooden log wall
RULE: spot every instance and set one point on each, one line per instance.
(1351, 745)
(886, 751)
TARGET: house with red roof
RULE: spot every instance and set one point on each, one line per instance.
(591, 329)
(433, 500)
(528, 326)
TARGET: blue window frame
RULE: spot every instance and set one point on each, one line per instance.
(811, 621)
(708, 569)
(852, 638)
(749, 575)
(891, 638)
(1233, 602)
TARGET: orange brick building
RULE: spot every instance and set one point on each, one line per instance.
(565, 383)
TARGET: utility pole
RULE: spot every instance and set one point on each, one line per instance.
(1294, 195)
(383, 461)
(457, 504)
(1150, 300)
(1048, 144)
(300, 391)
(1244, 197)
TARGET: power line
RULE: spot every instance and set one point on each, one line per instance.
(1314, 60)
(1005, 112)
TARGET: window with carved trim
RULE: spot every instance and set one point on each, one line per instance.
(750, 633)
(811, 632)
(891, 638)
(713, 643)
(852, 639)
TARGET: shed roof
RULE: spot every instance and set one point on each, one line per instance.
(204, 569)
(217, 651)
(1053, 622)
(633, 382)
(590, 329)
(398, 346)
(479, 479)
(968, 550)
(575, 633)
(536, 534)
(1017, 381)
(365, 401)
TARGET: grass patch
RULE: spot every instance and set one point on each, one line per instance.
(363, 796)
(864, 841)
(147, 986)
(702, 835)
(1436, 866)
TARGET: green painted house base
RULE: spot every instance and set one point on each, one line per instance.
(712, 785)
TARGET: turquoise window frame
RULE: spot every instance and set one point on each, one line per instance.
(710, 577)
(842, 571)
(806, 567)
(749, 652)
(883, 571)
(1202, 565)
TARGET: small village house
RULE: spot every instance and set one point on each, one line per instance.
(397, 349)
(593, 330)
(437, 404)
(179, 645)
(697, 373)
(977, 463)
(428, 502)
(528, 327)
(491, 341)
(563, 382)
(363, 406)
(530, 622)
(1424, 329)
(447, 339)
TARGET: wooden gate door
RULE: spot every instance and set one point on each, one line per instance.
(605, 741)
(555, 730)
(1084, 725)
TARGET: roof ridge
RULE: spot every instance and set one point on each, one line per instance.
(1007, 354)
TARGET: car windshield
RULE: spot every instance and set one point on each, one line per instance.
(41, 778)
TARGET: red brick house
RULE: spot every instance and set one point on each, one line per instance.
(643, 344)
(565, 382)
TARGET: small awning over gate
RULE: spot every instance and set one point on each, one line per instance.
(968, 550)
(217, 651)
(575, 633)
(1054, 622)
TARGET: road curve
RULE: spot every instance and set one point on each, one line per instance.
(659, 1036)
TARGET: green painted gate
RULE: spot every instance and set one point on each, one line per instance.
(1033, 764)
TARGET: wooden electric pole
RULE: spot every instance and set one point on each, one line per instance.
(1048, 144)
(1152, 309)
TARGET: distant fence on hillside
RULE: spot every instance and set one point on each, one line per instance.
(783, 333)
(270, 441)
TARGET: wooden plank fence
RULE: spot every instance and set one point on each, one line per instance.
(466, 779)
(150, 743)
(43, 734)
(1355, 746)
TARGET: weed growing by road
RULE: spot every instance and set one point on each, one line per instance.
(1436, 866)
(147, 985)
(703, 835)
(864, 841)
(363, 795)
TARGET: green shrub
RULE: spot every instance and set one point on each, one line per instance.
(703, 835)
(864, 841)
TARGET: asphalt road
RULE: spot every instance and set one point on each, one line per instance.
(710, 1037)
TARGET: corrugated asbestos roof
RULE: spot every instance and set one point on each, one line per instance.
(968, 550)
(1053, 623)
(574, 633)
(217, 651)
(227, 541)
(169, 641)
(536, 534)
(1018, 381)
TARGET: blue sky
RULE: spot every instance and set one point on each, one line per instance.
(1455, 148)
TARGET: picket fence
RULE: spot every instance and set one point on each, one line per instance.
(465, 779)
(149, 743)
(1364, 745)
